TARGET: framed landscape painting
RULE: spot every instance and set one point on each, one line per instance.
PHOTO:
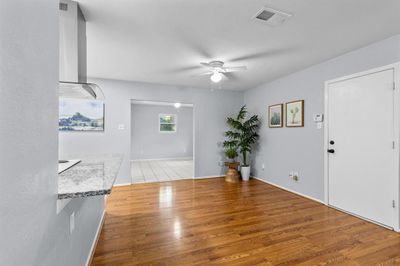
(80, 115)
(275, 115)
(295, 114)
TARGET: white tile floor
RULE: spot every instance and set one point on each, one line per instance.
(161, 170)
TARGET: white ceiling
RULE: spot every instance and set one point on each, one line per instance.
(163, 41)
(158, 103)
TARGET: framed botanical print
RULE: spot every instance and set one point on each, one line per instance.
(275, 115)
(295, 114)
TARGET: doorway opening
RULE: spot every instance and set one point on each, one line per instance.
(162, 141)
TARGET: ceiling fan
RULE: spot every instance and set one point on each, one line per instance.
(217, 69)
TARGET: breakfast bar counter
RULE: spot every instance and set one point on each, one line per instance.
(93, 176)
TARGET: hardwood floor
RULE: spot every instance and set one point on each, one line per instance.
(210, 221)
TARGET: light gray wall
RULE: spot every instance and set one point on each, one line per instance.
(301, 149)
(31, 233)
(210, 111)
(146, 140)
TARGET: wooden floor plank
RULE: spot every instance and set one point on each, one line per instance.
(211, 222)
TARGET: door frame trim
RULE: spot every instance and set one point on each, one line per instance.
(396, 70)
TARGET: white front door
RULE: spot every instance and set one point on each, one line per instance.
(361, 151)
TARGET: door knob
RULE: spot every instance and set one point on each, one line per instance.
(331, 150)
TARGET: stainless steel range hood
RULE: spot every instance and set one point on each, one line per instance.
(80, 90)
(73, 80)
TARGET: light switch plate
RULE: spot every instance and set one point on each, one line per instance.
(295, 176)
(121, 127)
(318, 118)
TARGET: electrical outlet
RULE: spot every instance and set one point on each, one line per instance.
(121, 127)
(295, 176)
(291, 174)
(263, 166)
(72, 222)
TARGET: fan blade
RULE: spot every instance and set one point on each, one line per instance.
(205, 64)
(230, 75)
(205, 73)
(234, 69)
(182, 69)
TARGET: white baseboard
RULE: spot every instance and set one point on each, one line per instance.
(163, 159)
(189, 178)
(95, 240)
(289, 190)
(123, 184)
(211, 176)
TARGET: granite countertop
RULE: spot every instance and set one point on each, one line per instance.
(93, 176)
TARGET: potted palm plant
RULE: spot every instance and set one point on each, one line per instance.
(232, 174)
(231, 153)
(243, 135)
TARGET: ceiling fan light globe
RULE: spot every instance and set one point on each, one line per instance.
(216, 77)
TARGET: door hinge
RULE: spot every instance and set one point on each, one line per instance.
(394, 85)
(393, 203)
(393, 145)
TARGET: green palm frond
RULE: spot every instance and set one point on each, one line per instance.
(232, 135)
(235, 124)
(242, 113)
(230, 144)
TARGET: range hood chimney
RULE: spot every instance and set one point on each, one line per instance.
(73, 79)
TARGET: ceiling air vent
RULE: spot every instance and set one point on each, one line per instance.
(64, 6)
(271, 16)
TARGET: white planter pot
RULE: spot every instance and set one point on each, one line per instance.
(245, 171)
